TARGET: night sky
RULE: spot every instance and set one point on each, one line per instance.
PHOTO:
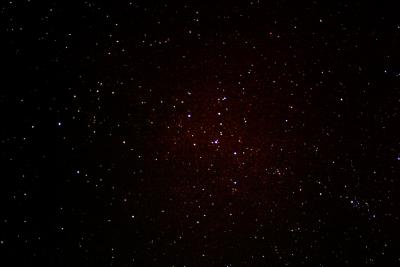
(227, 133)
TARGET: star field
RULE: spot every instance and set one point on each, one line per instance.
(233, 133)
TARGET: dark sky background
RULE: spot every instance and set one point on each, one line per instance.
(231, 133)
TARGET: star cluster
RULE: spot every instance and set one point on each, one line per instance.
(237, 133)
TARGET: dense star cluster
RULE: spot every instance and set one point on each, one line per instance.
(232, 133)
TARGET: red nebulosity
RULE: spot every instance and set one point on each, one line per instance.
(223, 142)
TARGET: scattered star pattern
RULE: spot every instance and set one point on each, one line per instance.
(233, 133)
